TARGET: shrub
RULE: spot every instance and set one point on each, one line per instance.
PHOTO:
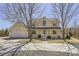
(70, 34)
(67, 36)
(49, 37)
(4, 32)
(39, 36)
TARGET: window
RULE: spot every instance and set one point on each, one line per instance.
(58, 37)
(44, 23)
(33, 25)
(54, 32)
(33, 32)
(54, 24)
(44, 32)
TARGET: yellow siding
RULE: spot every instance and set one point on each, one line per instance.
(38, 23)
(49, 32)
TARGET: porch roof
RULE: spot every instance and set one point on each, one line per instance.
(46, 27)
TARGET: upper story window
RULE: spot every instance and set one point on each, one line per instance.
(44, 23)
(33, 25)
(54, 32)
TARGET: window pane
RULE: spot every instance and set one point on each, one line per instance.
(44, 32)
(44, 23)
(54, 32)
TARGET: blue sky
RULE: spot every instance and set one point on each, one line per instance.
(6, 24)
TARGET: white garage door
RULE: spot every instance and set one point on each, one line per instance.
(19, 34)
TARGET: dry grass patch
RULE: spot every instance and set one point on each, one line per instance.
(74, 41)
(26, 40)
(36, 41)
(56, 41)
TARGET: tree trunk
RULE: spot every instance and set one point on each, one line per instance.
(30, 33)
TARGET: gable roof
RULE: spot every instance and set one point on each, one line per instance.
(45, 18)
(17, 24)
(46, 27)
(37, 20)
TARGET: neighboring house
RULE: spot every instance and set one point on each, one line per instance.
(43, 26)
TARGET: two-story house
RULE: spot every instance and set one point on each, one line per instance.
(43, 26)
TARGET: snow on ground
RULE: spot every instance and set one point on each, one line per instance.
(38, 46)
(50, 47)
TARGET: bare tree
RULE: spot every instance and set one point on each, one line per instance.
(75, 28)
(64, 12)
(23, 13)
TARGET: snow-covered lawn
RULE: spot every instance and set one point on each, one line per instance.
(37, 46)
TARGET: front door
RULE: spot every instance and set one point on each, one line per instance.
(44, 36)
